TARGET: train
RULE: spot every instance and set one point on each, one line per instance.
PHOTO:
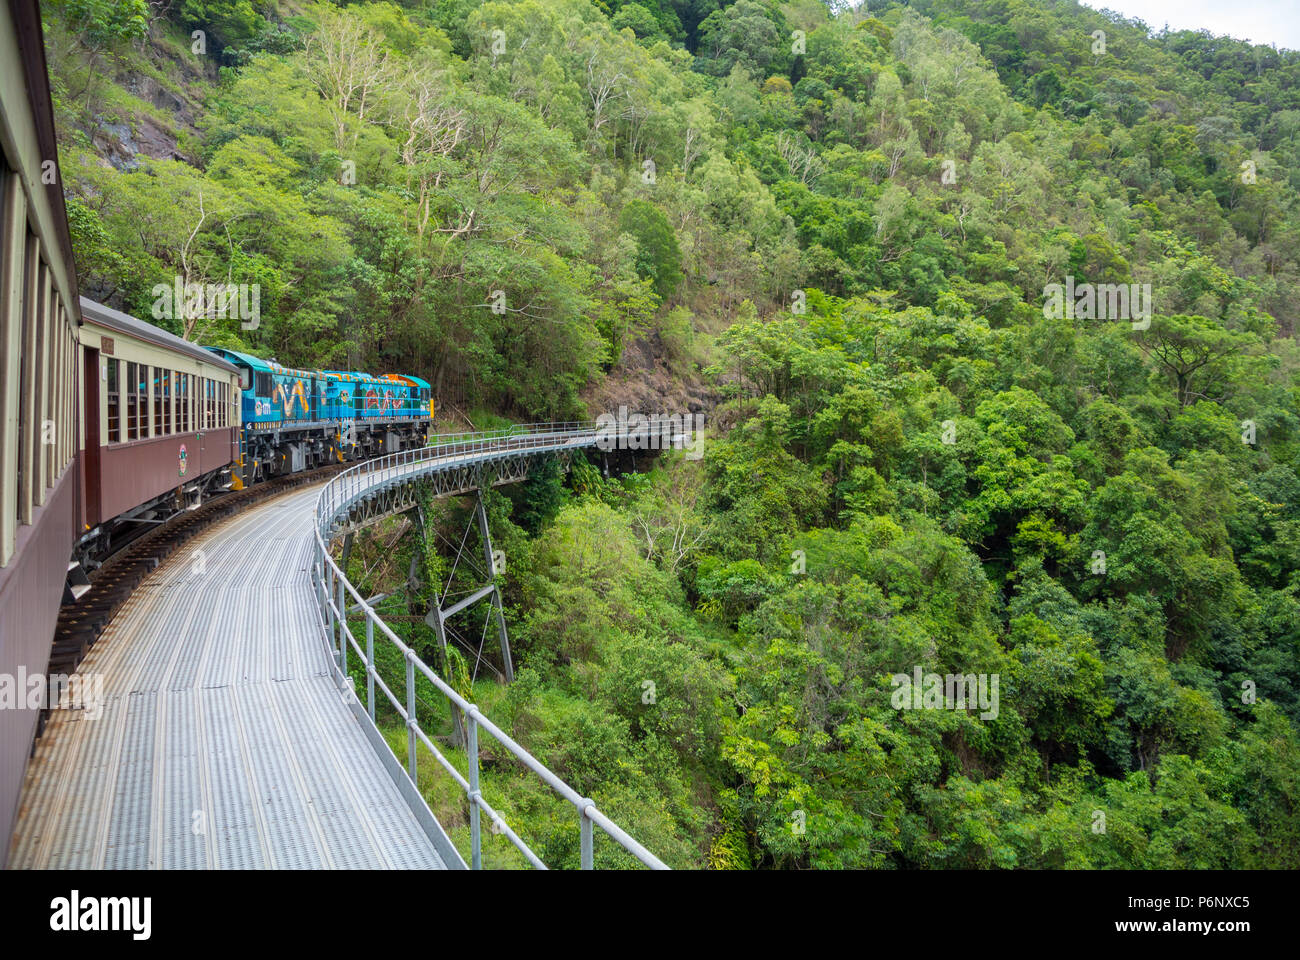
(178, 423)
(109, 424)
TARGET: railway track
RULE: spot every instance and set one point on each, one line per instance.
(80, 623)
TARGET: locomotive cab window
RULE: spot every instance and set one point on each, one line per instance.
(262, 383)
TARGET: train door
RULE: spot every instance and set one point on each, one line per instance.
(204, 405)
(314, 413)
(90, 375)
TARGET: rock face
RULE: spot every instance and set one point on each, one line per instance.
(121, 143)
(644, 383)
(114, 143)
(147, 88)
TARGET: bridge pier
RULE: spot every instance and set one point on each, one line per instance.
(481, 512)
(439, 614)
(437, 620)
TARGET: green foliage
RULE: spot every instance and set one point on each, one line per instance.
(102, 23)
(542, 204)
(225, 21)
(658, 257)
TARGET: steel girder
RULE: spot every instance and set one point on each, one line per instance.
(399, 494)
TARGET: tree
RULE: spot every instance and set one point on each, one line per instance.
(658, 257)
(1195, 353)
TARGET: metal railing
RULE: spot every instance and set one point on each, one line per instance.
(332, 590)
(449, 448)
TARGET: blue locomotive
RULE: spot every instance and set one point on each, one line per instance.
(298, 419)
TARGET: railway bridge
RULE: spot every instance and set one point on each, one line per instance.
(215, 724)
(228, 734)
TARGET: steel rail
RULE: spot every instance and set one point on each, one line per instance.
(332, 589)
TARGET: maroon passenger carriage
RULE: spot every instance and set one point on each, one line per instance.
(39, 316)
(107, 423)
(160, 427)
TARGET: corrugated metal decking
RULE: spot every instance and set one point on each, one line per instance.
(223, 741)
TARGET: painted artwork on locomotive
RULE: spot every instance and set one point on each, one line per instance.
(390, 397)
(272, 395)
(290, 398)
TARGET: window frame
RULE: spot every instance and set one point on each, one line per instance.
(113, 397)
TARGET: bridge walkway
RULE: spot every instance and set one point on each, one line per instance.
(222, 740)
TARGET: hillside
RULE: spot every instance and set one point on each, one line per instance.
(842, 236)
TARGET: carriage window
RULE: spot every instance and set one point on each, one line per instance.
(165, 386)
(114, 406)
(142, 398)
(153, 384)
(182, 397)
(157, 382)
(132, 386)
(221, 404)
(210, 405)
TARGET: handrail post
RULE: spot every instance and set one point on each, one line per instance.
(329, 605)
(343, 623)
(475, 830)
(370, 665)
(410, 717)
(588, 845)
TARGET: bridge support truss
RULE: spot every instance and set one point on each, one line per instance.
(439, 614)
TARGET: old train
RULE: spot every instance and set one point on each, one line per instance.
(109, 424)
(178, 423)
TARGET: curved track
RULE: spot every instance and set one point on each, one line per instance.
(223, 740)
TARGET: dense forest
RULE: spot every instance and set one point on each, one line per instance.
(834, 231)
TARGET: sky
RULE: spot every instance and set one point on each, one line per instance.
(1259, 21)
